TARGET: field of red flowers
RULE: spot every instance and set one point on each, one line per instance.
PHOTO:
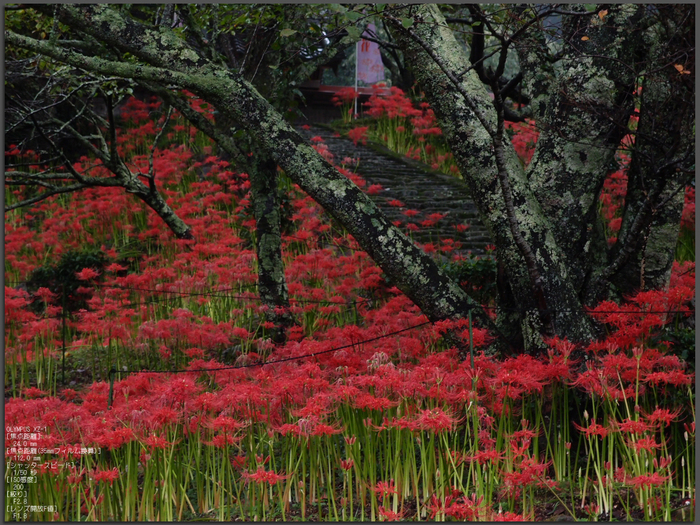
(363, 414)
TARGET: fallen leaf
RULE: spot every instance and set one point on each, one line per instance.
(602, 14)
(584, 38)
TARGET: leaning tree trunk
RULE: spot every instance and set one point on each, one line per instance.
(466, 113)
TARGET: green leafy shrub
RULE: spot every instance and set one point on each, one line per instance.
(61, 278)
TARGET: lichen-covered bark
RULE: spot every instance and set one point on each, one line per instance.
(663, 157)
(473, 149)
(155, 200)
(172, 62)
(272, 285)
(586, 116)
(536, 66)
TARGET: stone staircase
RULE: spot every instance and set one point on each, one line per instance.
(407, 181)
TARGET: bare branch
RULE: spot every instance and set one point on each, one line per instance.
(44, 196)
(151, 173)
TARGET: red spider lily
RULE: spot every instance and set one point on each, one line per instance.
(644, 443)
(437, 217)
(632, 426)
(371, 402)
(383, 488)
(75, 477)
(239, 462)
(690, 429)
(358, 134)
(388, 515)
(673, 377)
(262, 476)
(86, 274)
(105, 475)
(436, 506)
(435, 420)
(507, 516)
(486, 456)
(688, 217)
(465, 508)
(530, 471)
(153, 442)
(69, 394)
(163, 417)
(224, 440)
(524, 139)
(346, 464)
(45, 294)
(663, 415)
(662, 463)
(114, 268)
(594, 429)
(33, 393)
(525, 433)
(116, 438)
(323, 150)
(322, 429)
(375, 189)
(396, 203)
(226, 424)
(344, 96)
(15, 302)
(647, 480)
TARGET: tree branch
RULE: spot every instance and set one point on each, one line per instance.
(43, 196)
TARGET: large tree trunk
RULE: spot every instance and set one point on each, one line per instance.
(465, 112)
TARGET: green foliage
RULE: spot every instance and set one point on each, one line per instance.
(476, 275)
(681, 342)
(685, 249)
(61, 277)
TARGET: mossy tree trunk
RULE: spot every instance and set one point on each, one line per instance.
(272, 285)
(585, 116)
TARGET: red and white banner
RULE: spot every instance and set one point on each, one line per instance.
(370, 68)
